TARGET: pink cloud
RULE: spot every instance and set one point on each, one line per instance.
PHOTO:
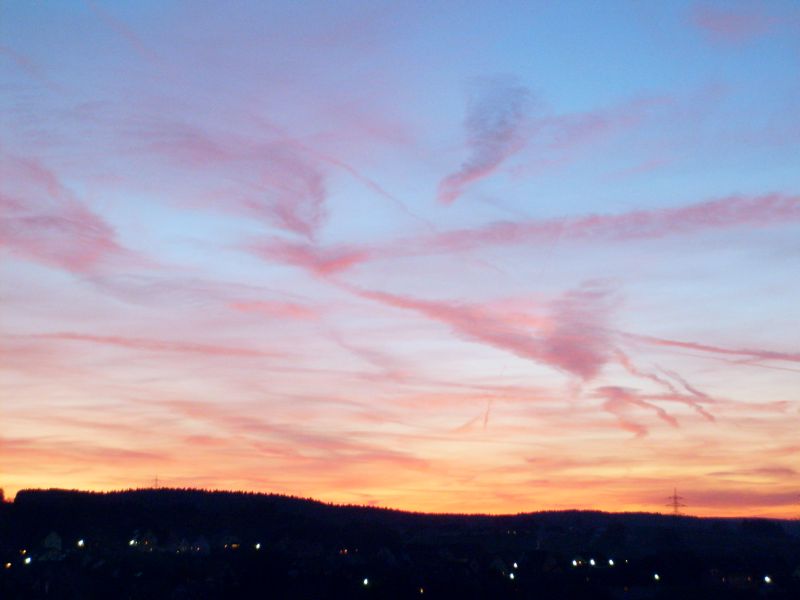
(559, 139)
(729, 212)
(619, 400)
(570, 131)
(160, 345)
(575, 343)
(776, 472)
(359, 176)
(757, 354)
(191, 296)
(737, 498)
(173, 288)
(121, 29)
(304, 447)
(469, 426)
(549, 464)
(495, 118)
(731, 26)
(690, 401)
(68, 453)
(26, 65)
(315, 148)
(642, 167)
(37, 360)
(274, 309)
(724, 213)
(390, 368)
(277, 181)
(291, 192)
(44, 221)
(688, 387)
(627, 363)
(695, 399)
(320, 261)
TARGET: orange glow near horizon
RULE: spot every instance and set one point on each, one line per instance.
(467, 469)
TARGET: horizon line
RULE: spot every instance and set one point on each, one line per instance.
(12, 500)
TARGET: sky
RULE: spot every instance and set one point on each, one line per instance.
(437, 256)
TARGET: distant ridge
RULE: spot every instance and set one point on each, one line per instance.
(30, 493)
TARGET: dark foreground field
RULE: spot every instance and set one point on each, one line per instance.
(193, 544)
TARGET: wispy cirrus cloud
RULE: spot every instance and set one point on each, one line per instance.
(496, 114)
(628, 365)
(560, 139)
(731, 26)
(289, 191)
(390, 368)
(171, 287)
(274, 309)
(736, 498)
(26, 65)
(123, 30)
(192, 294)
(66, 453)
(156, 345)
(769, 472)
(619, 401)
(744, 353)
(575, 341)
(369, 183)
(44, 221)
(695, 399)
(320, 260)
(551, 463)
(303, 447)
(578, 340)
(270, 178)
(729, 212)
(263, 172)
(623, 401)
(723, 213)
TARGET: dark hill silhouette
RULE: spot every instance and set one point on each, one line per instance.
(177, 543)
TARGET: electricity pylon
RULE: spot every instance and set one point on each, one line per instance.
(675, 502)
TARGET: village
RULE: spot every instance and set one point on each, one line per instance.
(193, 544)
